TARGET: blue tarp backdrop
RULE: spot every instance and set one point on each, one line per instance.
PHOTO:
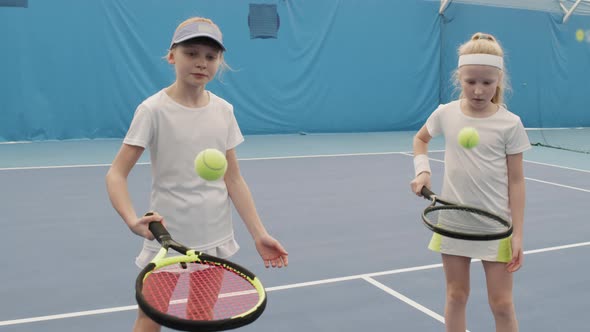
(549, 67)
(75, 69)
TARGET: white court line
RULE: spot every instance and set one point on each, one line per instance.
(406, 153)
(60, 166)
(557, 166)
(554, 128)
(68, 315)
(558, 185)
(15, 142)
(406, 299)
(567, 246)
(271, 289)
(220, 296)
(526, 161)
(240, 159)
(542, 181)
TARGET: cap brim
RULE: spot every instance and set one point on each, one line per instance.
(199, 35)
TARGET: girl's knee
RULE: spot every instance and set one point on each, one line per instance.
(502, 308)
(457, 296)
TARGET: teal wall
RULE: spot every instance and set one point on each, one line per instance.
(75, 69)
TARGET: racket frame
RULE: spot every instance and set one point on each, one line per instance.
(191, 256)
(446, 205)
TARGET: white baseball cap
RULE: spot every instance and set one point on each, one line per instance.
(198, 29)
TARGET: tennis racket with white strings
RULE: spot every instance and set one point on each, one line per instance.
(462, 221)
(196, 291)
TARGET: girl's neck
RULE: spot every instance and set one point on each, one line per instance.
(188, 96)
(488, 111)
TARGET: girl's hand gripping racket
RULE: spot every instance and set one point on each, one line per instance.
(463, 222)
(196, 291)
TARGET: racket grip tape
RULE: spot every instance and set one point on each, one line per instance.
(426, 193)
(158, 230)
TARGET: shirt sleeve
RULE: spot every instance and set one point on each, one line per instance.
(433, 123)
(517, 141)
(141, 128)
(234, 134)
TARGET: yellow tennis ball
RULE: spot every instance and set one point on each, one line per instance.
(210, 164)
(468, 137)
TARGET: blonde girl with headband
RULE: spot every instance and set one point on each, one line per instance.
(175, 124)
(489, 175)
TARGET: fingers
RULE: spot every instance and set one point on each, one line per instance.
(279, 257)
(513, 267)
(418, 190)
(151, 217)
(516, 262)
(278, 262)
(146, 220)
(283, 260)
(272, 252)
(416, 187)
(418, 183)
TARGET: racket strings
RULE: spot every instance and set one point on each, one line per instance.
(158, 287)
(200, 293)
(464, 220)
(201, 300)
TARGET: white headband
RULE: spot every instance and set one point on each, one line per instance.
(481, 59)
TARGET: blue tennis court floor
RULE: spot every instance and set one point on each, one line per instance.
(358, 257)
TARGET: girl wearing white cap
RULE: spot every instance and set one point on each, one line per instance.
(489, 175)
(176, 124)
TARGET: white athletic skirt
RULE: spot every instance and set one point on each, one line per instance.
(224, 250)
(493, 251)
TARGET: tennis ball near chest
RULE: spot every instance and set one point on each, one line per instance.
(468, 137)
(210, 164)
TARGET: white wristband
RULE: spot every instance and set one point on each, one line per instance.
(421, 164)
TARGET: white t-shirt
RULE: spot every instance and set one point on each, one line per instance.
(478, 176)
(197, 212)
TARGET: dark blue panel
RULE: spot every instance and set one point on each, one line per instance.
(14, 3)
(263, 21)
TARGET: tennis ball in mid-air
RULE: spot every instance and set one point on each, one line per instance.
(210, 164)
(468, 137)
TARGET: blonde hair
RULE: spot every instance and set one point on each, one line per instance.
(483, 43)
(223, 66)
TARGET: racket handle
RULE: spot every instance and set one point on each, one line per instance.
(158, 230)
(426, 193)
